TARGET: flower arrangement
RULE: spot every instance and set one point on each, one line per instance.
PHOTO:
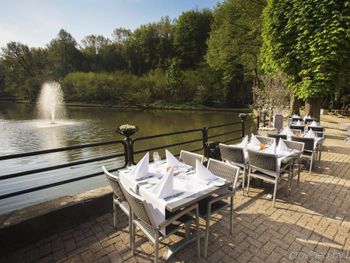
(127, 129)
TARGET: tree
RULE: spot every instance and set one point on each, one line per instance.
(309, 41)
(64, 55)
(273, 95)
(234, 45)
(24, 69)
(174, 80)
(190, 35)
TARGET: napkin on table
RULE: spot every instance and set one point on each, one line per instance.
(244, 142)
(165, 186)
(141, 169)
(171, 159)
(282, 147)
(310, 134)
(313, 124)
(203, 175)
(271, 149)
(299, 123)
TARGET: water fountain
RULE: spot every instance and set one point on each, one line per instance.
(50, 104)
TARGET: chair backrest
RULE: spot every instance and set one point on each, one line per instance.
(115, 184)
(307, 121)
(277, 136)
(308, 142)
(138, 206)
(295, 119)
(296, 127)
(233, 154)
(278, 122)
(190, 158)
(319, 134)
(299, 146)
(265, 140)
(262, 161)
(224, 170)
(318, 129)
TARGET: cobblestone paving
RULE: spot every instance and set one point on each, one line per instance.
(312, 226)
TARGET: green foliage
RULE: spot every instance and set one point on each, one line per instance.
(174, 81)
(234, 46)
(190, 35)
(308, 40)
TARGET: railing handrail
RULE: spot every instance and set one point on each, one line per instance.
(128, 153)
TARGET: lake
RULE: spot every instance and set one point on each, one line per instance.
(22, 132)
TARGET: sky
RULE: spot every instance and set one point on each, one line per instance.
(36, 22)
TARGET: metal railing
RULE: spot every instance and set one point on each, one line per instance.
(129, 150)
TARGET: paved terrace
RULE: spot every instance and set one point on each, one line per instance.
(313, 225)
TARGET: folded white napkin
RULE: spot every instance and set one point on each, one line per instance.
(165, 186)
(295, 116)
(171, 159)
(254, 141)
(141, 169)
(271, 149)
(310, 134)
(282, 147)
(307, 117)
(203, 175)
(313, 124)
(287, 131)
(244, 142)
(299, 123)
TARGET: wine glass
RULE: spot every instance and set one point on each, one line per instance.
(156, 158)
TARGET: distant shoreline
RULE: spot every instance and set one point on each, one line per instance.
(179, 107)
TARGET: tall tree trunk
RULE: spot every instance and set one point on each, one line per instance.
(294, 105)
(313, 107)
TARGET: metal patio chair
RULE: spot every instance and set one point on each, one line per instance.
(265, 166)
(216, 203)
(235, 155)
(299, 146)
(118, 199)
(190, 158)
(141, 218)
(297, 127)
(309, 152)
(277, 136)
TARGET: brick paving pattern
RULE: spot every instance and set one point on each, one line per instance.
(312, 226)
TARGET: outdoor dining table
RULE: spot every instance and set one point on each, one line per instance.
(177, 201)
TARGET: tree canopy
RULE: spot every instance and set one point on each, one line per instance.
(309, 40)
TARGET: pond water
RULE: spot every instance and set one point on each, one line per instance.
(22, 132)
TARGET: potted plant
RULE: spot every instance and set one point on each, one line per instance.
(127, 130)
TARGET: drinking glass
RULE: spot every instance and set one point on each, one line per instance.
(156, 158)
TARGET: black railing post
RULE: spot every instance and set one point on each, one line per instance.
(242, 117)
(127, 131)
(258, 120)
(205, 141)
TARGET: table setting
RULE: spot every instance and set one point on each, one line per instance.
(163, 182)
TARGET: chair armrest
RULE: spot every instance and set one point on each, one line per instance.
(177, 216)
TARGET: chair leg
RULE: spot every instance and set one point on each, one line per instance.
(231, 216)
(130, 230)
(133, 227)
(274, 194)
(207, 225)
(198, 234)
(114, 214)
(311, 163)
(156, 246)
(299, 169)
(248, 183)
(243, 183)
